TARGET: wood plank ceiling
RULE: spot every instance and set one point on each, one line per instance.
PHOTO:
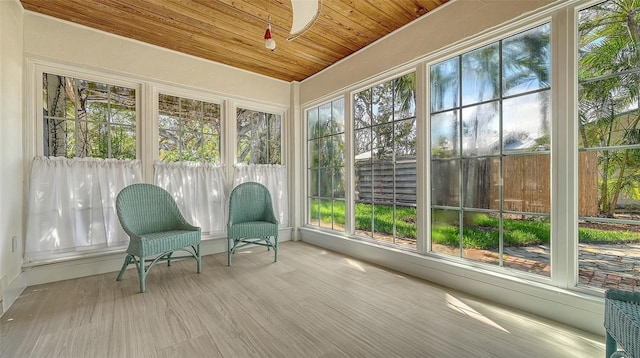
(232, 31)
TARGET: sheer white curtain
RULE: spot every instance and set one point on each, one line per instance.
(71, 205)
(199, 191)
(274, 177)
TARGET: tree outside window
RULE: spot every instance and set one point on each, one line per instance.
(385, 162)
(259, 139)
(88, 119)
(609, 133)
(189, 130)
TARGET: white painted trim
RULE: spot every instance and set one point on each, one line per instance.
(112, 262)
(576, 309)
(11, 292)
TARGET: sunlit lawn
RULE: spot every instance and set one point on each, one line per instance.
(480, 233)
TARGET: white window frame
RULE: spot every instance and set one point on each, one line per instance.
(35, 69)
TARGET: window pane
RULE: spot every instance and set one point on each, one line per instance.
(363, 144)
(337, 116)
(481, 130)
(338, 215)
(338, 150)
(326, 214)
(169, 146)
(326, 160)
(481, 237)
(483, 188)
(383, 141)
(385, 149)
(481, 178)
(314, 212)
(445, 135)
(259, 140)
(313, 153)
(91, 109)
(445, 90)
(527, 241)
(445, 187)
(326, 187)
(527, 183)
(481, 75)
(404, 97)
(362, 109)
(169, 110)
(123, 105)
(364, 173)
(526, 61)
(364, 217)
(445, 232)
(609, 200)
(314, 182)
(189, 149)
(324, 120)
(405, 139)
(381, 103)
(189, 129)
(526, 123)
(608, 119)
(123, 142)
(338, 183)
(312, 123)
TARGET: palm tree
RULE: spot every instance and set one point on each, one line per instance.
(609, 79)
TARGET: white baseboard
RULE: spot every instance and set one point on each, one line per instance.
(112, 262)
(10, 291)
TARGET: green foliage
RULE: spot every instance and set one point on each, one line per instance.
(588, 235)
(483, 233)
(609, 52)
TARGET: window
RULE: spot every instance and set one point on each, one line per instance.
(609, 145)
(84, 118)
(490, 153)
(72, 193)
(325, 161)
(189, 130)
(385, 161)
(189, 166)
(258, 137)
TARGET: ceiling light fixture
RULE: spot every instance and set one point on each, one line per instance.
(269, 42)
(305, 14)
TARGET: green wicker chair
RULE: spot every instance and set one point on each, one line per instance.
(251, 219)
(156, 229)
(622, 323)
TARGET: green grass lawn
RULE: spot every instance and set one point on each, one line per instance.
(481, 232)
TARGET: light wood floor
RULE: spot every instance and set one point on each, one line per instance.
(311, 303)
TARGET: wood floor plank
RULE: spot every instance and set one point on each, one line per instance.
(311, 303)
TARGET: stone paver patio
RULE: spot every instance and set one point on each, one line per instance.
(601, 265)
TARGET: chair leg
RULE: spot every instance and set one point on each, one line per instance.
(198, 258)
(275, 250)
(142, 272)
(611, 346)
(169, 259)
(127, 261)
(229, 252)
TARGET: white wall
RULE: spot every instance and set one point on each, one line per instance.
(11, 149)
(82, 47)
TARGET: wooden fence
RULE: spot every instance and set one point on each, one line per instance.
(526, 183)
